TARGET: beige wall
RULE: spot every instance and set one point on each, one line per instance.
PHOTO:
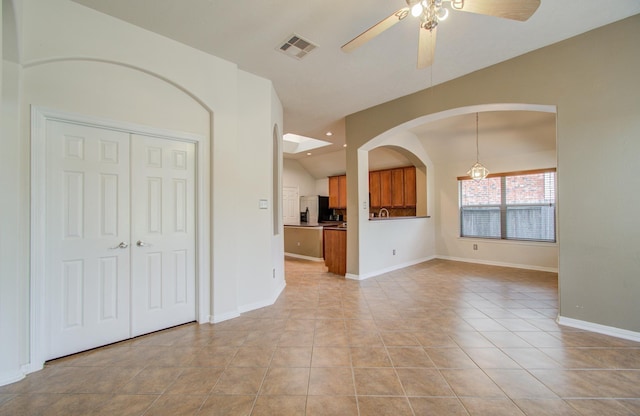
(303, 241)
(592, 81)
(449, 244)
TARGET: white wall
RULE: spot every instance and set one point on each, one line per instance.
(252, 225)
(322, 187)
(78, 60)
(413, 240)
(294, 174)
(12, 307)
(277, 240)
(449, 244)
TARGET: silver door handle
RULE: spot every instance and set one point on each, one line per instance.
(121, 245)
(141, 243)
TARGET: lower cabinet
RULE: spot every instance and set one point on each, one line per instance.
(335, 250)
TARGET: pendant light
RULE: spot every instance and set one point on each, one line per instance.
(477, 171)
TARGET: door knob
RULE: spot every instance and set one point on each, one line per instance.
(121, 245)
(141, 243)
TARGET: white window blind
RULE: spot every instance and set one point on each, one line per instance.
(515, 206)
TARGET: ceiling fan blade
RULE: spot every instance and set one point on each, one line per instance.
(426, 47)
(375, 30)
(520, 10)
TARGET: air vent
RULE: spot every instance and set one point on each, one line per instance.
(296, 47)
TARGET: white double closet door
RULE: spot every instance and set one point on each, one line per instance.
(120, 221)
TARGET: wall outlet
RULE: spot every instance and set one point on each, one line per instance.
(475, 246)
(394, 251)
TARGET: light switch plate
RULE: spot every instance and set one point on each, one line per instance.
(263, 204)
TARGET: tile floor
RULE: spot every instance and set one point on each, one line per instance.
(439, 338)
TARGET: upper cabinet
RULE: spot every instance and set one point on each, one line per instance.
(385, 188)
(338, 192)
(397, 188)
(389, 188)
(374, 189)
(410, 186)
(393, 188)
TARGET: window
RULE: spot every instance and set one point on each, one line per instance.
(510, 206)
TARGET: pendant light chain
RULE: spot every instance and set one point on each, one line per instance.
(477, 171)
(477, 146)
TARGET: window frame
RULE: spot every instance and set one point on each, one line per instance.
(503, 207)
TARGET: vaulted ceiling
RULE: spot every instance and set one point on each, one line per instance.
(318, 91)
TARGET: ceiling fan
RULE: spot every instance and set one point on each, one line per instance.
(431, 12)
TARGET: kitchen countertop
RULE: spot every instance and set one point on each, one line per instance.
(304, 225)
(322, 224)
(397, 218)
(335, 228)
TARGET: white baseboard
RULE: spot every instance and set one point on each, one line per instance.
(250, 307)
(17, 375)
(214, 319)
(31, 368)
(501, 264)
(387, 269)
(265, 303)
(600, 329)
(300, 256)
(9, 377)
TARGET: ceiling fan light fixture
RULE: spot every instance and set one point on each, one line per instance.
(443, 13)
(416, 10)
(430, 12)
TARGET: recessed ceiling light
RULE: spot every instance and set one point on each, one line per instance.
(344, 145)
(308, 153)
(328, 133)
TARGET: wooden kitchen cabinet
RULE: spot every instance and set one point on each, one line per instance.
(385, 188)
(374, 189)
(338, 192)
(397, 188)
(342, 191)
(334, 193)
(335, 251)
(410, 186)
(393, 188)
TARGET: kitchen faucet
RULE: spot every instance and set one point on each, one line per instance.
(386, 211)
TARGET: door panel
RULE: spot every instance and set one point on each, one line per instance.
(290, 206)
(385, 188)
(397, 188)
(163, 229)
(87, 282)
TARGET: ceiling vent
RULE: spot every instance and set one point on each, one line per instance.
(296, 47)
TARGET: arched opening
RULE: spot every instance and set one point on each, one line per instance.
(397, 183)
(516, 137)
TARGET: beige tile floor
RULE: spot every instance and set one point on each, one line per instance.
(439, 338)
